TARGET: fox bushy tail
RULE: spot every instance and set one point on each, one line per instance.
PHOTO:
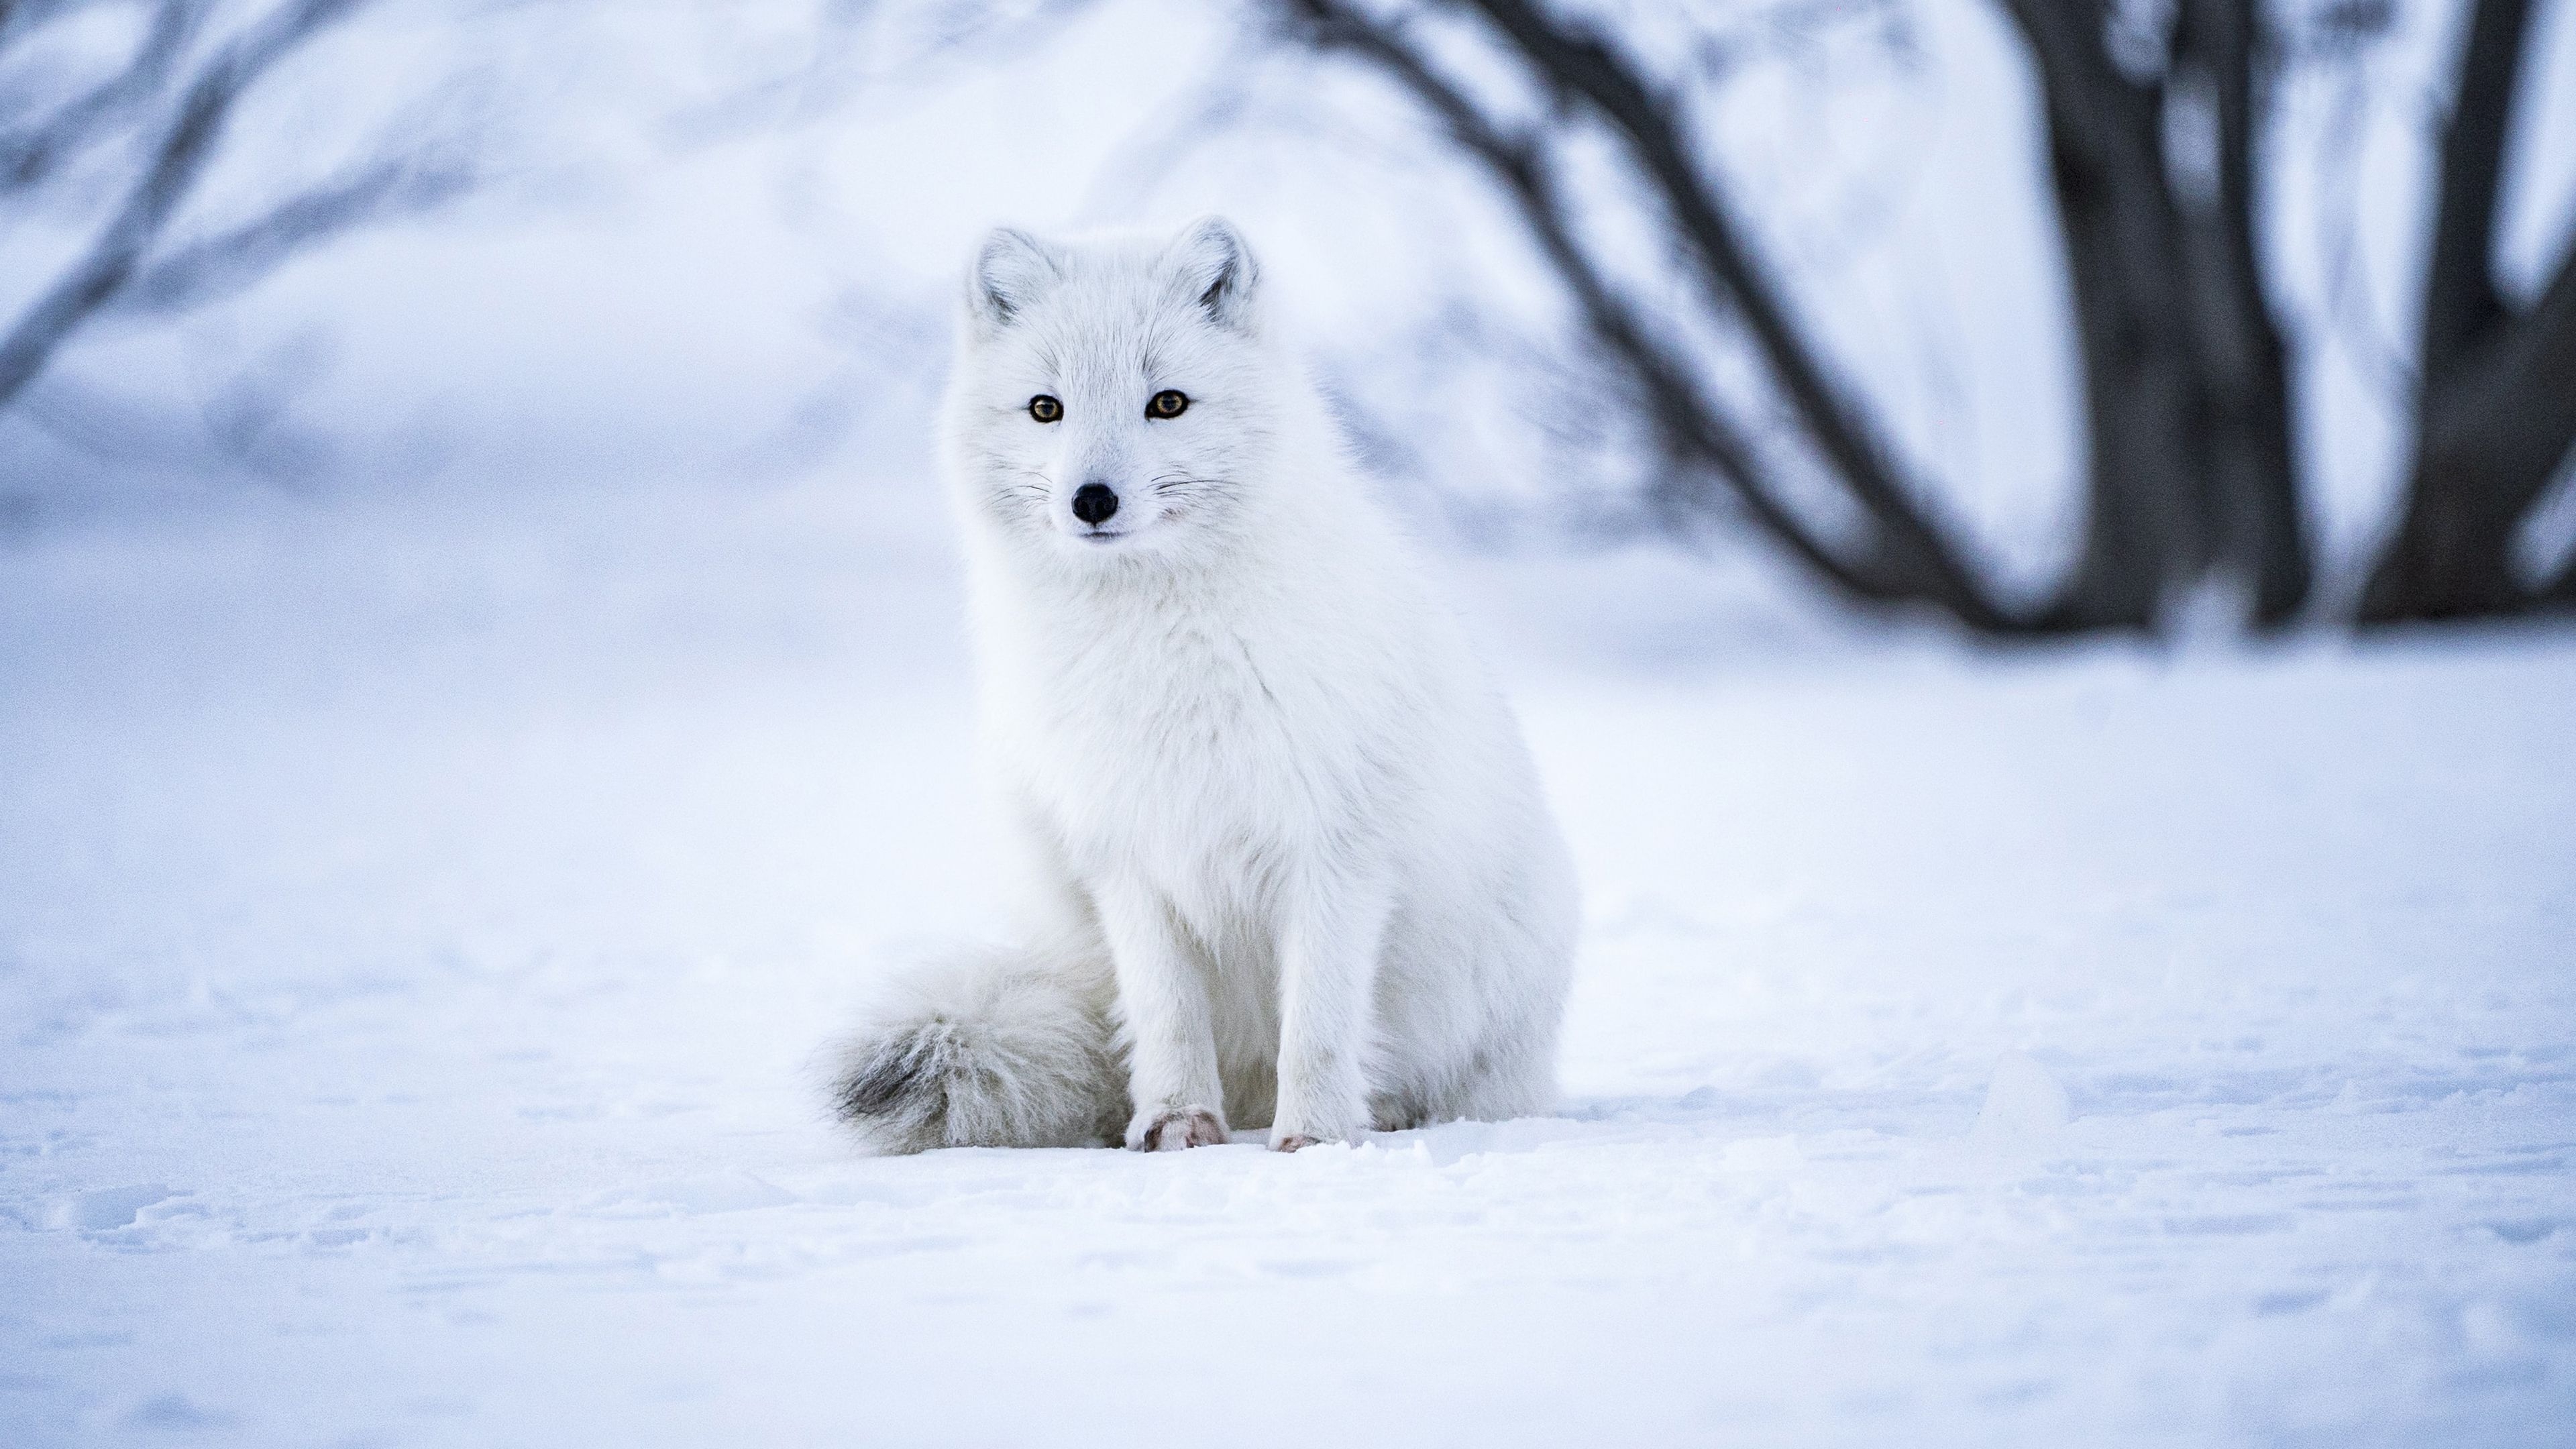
(991, 1048)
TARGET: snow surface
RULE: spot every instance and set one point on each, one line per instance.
(416, 930)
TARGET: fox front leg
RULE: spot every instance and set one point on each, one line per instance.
(1163, 998)
(1328, 952)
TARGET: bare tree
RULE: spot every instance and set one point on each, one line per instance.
(2154, 115)
(156, 123)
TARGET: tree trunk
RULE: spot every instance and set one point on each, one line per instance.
(2493, 434)
(2185, 380)
(2250, 478)
(2141, 531)
(2496, 402)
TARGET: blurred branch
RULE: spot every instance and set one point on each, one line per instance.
(230, 260)
(30, 155)
(1694, 432)
(116, 268)
(16, 15)
(1912, 556)
(1904, 557)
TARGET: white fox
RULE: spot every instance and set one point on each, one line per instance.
(1292, 863)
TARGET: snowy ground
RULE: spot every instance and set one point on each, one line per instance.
(413, 945)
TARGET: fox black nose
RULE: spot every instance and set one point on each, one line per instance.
(1094, 502)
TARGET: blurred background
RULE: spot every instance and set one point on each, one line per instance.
(2029, 538)
(2167, 316)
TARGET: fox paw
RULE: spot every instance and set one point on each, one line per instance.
(1285, 1140)
(1174, 1128)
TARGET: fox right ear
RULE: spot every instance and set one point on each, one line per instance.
(1012, 270)
(1217, 268)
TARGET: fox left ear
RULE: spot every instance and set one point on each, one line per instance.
(1012, 269)
(1217, 267)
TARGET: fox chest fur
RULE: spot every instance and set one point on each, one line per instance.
(1214, 758)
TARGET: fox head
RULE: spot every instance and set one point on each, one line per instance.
(1115, 399)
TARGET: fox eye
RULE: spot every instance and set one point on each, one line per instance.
(1169, 403)
(1045, 409)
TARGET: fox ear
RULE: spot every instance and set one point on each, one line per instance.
(1012, 269)
(1217, 268)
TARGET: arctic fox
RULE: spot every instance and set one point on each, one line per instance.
(1291, 863)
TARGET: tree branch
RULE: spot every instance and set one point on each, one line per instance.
(231, 260)
(179, 157)
(1689, 427)
(15, 14)
(31, 154)
(1579, 62)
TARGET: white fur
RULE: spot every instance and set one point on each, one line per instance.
(1287, 840)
